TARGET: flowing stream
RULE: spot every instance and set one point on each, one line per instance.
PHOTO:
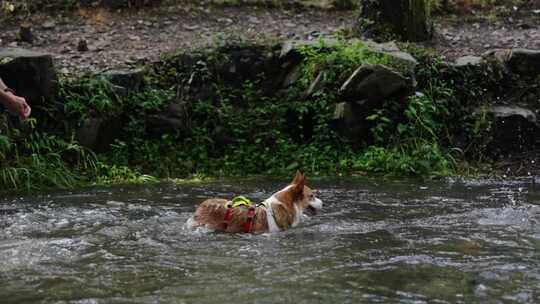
(375, 242)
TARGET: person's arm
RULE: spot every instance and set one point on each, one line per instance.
(3, 86)
(15, 104)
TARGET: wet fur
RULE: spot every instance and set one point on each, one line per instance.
(287, 208)
(210, 214)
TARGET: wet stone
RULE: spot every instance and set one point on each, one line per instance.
(373, 83)
(129, 79)
(514, 130)
(468, 61)
(525, 62)
(48, 25)
(349, 121)
(30, 74)
(97, 133)
(392, 50)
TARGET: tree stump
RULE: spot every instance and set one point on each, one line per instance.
(395, 19)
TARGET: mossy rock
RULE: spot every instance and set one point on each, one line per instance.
(525, 62)
(31, 74)
(293, 53)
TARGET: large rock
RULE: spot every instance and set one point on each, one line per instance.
(525, 62)
(403, 59)
(174, 120)
(291, 56)
(30, 74)
(129, 79)
(370, 84)
(468, 61)
(292, 47)
(515, 130)
(293, 76)
(467, 67)
(97, 134)
(244, 62)
(365, 90)
(498, 55)
(349, 120)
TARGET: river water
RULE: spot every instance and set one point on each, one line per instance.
(375, 242)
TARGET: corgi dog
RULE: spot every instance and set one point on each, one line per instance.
(283, 210)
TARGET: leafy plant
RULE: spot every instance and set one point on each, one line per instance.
(234, 126)
(89, 95)
(41, 159)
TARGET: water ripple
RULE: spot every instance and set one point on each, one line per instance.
(376, 241)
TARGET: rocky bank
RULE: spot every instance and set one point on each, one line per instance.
(124, 46)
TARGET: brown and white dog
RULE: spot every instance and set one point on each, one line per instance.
(284, 209)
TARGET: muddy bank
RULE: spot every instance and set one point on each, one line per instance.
(130, 37)
(457, 36)
(134, 37)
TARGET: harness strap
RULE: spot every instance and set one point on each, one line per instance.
(250, 219)
(227, 218)
(240, 201)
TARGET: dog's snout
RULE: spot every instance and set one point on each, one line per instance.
(316, 203)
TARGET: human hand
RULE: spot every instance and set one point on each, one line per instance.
(17, 106)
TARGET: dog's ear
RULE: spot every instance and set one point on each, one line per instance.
(299, 177)
(298, 186)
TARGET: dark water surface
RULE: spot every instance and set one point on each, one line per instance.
(375, 242)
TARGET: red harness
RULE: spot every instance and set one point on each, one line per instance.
(248, 226)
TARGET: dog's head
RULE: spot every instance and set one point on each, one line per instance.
(300, 196)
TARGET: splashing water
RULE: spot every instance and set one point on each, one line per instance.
(375, 241)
